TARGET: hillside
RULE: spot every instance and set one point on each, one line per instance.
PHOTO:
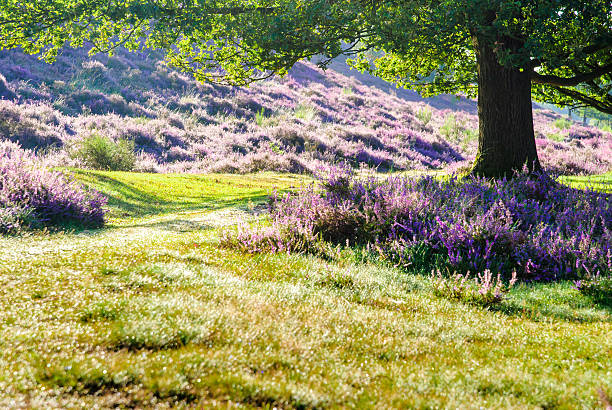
(308, 119)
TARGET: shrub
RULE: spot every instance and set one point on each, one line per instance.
(424, 115)
(305, 112)
(529, 224)
(270, 239)
(33, 197)
(260, 117)
(562, 123)
(103, 153)
(482, 290)
(580, 132)
(553, 136)
(454, 129)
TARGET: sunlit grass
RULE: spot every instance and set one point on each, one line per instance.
(598, 182)
(151, 312)
(135, 195)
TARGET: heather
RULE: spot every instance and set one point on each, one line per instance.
(294, 124)
(33, 197)
(529, 224)
(484, 289)
(597, 287)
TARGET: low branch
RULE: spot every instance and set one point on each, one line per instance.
(570, 81)
(602, 106)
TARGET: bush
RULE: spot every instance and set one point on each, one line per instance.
(32, 197)
(305, 112)
(482, 290)
(424, 115)
(562, 123)
(529, 224)
(103, 153)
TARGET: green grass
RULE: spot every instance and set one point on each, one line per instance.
(598, 182)
(137, 195)
(152, 313)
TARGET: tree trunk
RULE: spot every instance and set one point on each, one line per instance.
(506, 141)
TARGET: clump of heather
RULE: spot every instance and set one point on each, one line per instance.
(33, 197)
(483, 289)
(529, 224)
(271, 239)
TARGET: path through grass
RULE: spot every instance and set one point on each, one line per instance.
(140, 195)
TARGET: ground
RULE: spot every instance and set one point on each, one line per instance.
(150, 312)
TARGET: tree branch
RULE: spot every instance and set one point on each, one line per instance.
(570, 81)
(602, 106)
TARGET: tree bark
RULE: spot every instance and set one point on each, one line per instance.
(506, 141)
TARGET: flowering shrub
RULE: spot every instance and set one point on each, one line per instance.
(482, 290)
(528, 224)
(32, 197)
(270, 239)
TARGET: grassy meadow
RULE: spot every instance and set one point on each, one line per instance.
(151, 312)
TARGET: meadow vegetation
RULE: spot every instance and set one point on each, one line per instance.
(530, 225)
(32, 197)
(152, 312)
(293, 124)
(140, 268)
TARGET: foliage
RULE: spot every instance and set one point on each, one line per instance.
(419, 44)
(555, 137)
(33, 197)
(305, 112)
(562, 123)
(556, 50)
(260, 117)
(482, 290)
(529, 224)
(455, 130)
(424, 115)
(98, 152)
(598, 287)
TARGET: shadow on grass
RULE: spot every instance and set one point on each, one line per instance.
(602, 183)
(555, 301)
(178, 225)
(126, 200)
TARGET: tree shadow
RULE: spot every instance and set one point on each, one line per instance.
(555, 301)
(178, 225)
(129, 201)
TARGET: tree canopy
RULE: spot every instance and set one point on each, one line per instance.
(422, 44)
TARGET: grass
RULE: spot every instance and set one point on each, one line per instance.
(138, 195)
(151, 313)
(598, 182)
